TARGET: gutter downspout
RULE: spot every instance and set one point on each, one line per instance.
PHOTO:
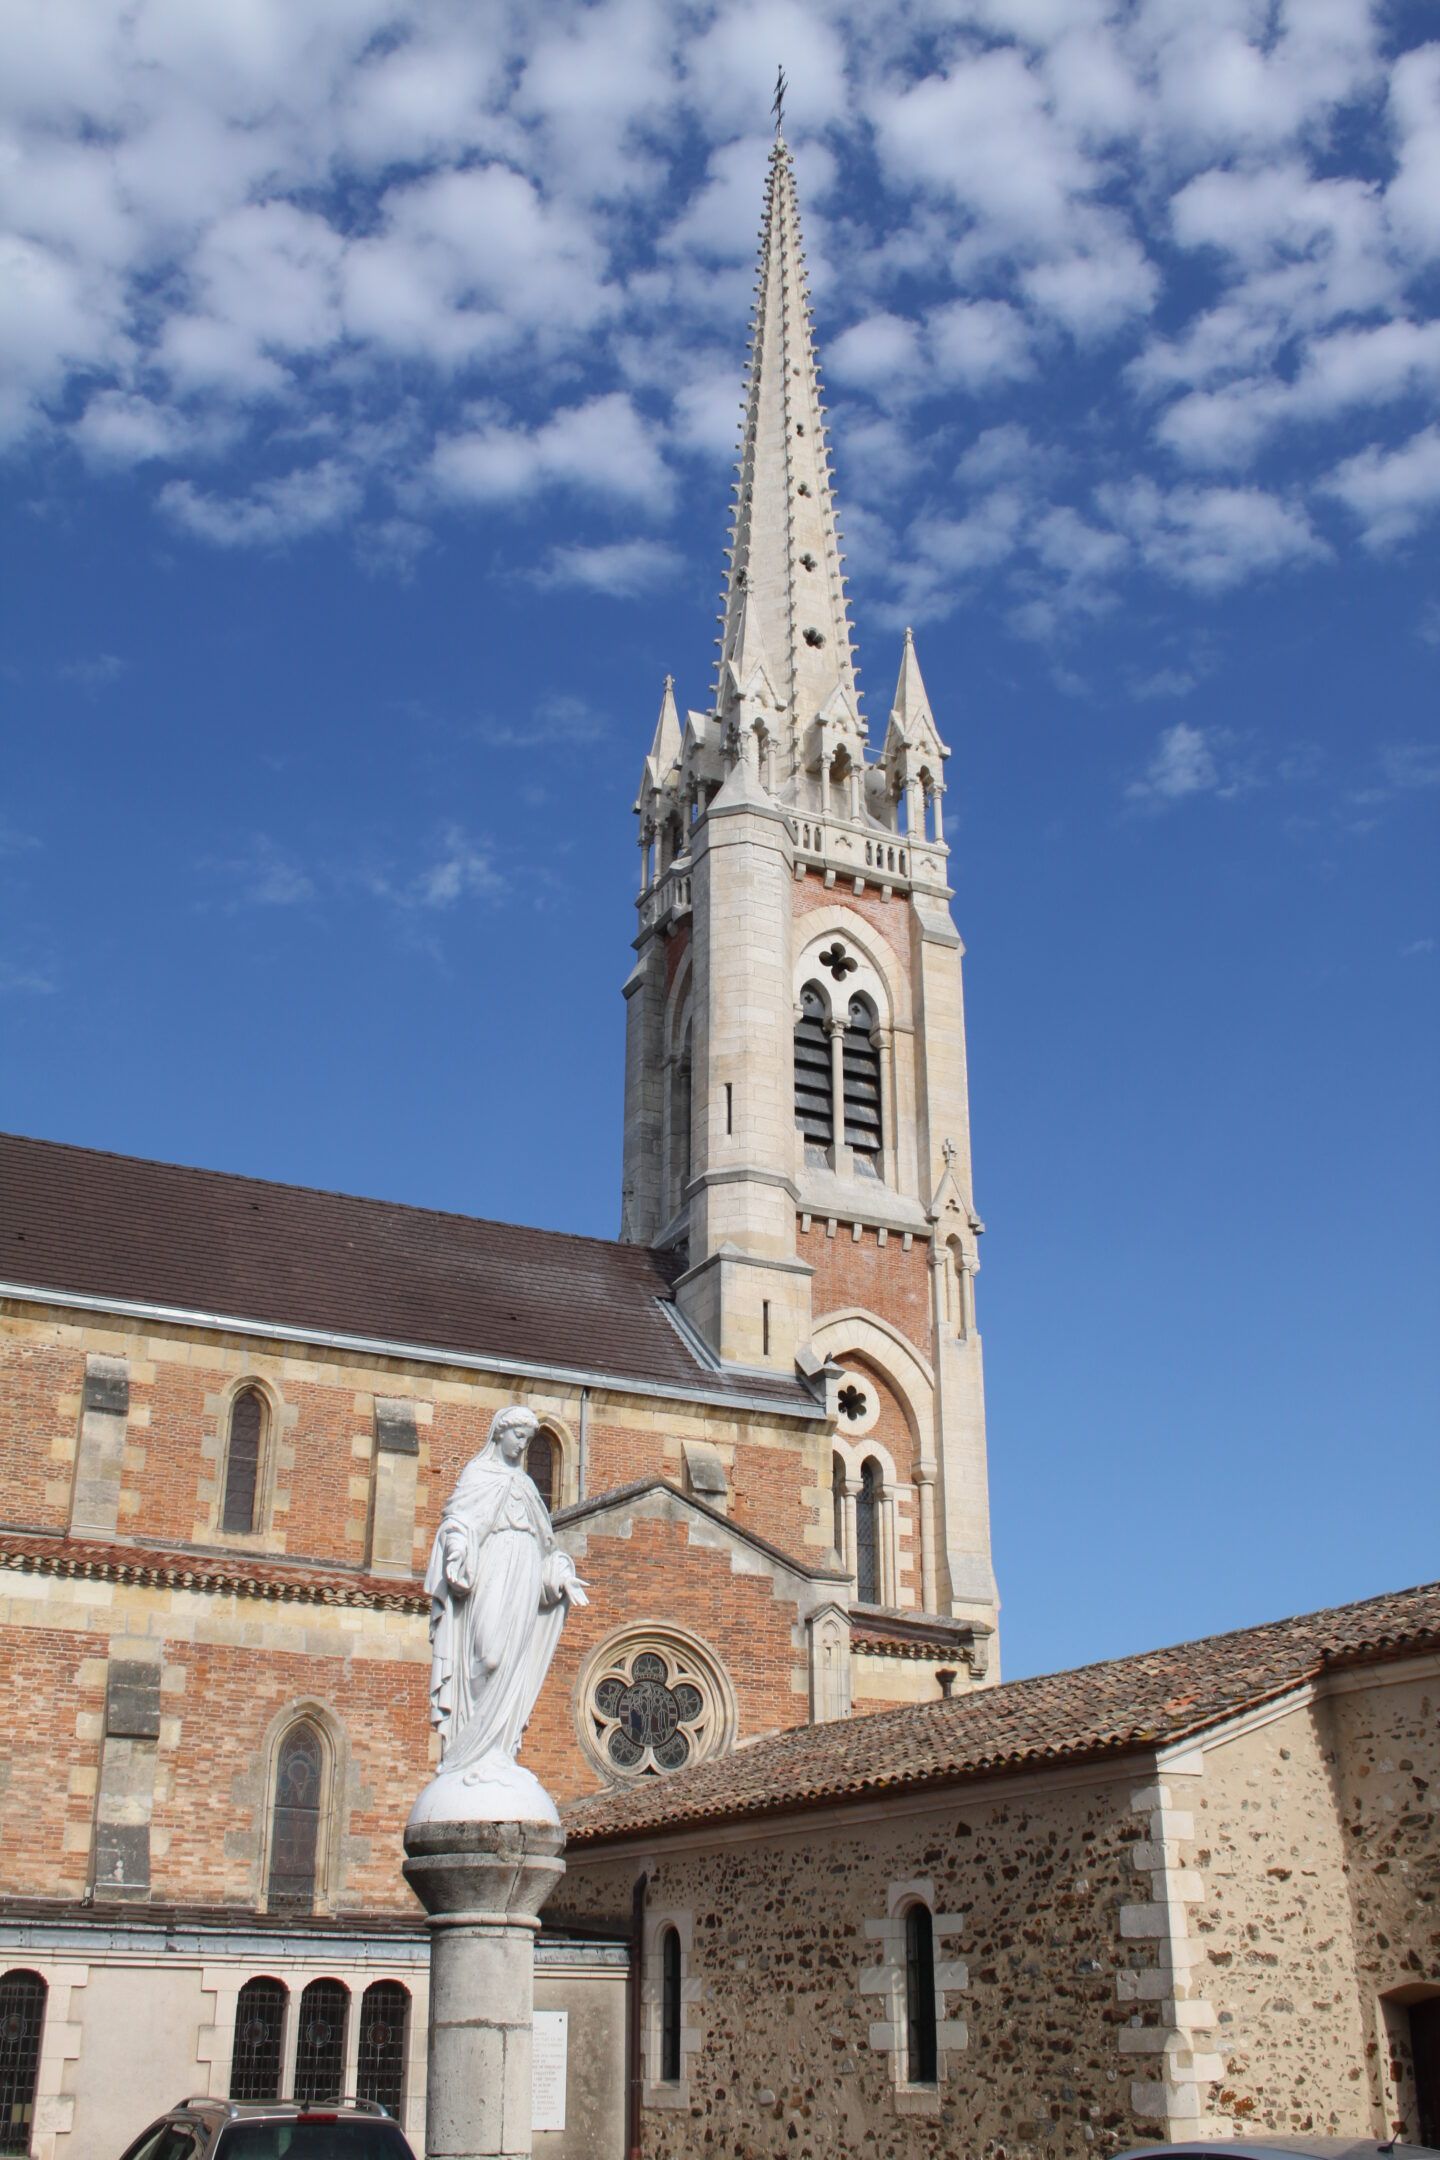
(634, 2082)
(582, 1468)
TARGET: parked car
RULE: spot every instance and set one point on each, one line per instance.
(1285, 2148)
(272, 2130)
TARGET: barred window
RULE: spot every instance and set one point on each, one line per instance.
(320, 2044)
(22, 2019)
(813, 1090)
(861, 1074)
(257, 2055)
(242, 1460)
(384, 2031)
(867, 1533)
(921, 2050)
(670, 2006)
(295, 1821)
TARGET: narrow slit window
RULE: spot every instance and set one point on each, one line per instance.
(861, 1066)
(384, 2035)
(242, 1460)
(813, 1091)
(921, 2041)
(867, 1534)
(837, 1502)
(729, 1106)
(670, 2006)
(765, 1325)
(257, 2055)
(22, 2020)
(295, 1822)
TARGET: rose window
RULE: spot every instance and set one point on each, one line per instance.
(652, 1709)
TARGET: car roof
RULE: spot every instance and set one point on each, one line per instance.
(1315, 2148)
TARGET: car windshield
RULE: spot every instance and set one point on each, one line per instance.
(344, 2139)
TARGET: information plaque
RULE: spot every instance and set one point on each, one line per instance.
(551, 2051)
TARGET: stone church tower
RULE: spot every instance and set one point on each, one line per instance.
(796, 1108)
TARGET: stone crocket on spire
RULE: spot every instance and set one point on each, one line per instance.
(786, 587)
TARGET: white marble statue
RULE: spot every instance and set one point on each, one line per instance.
(499, 1590)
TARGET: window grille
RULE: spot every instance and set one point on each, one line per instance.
(813, 1091)
(295, 1823)
(320, 2047)
(242, 1460)
(921, 2051)
(861, 1070)
(670, 2006)
(867, 1534)
(384, 2030)
(22, 2017)
(257, 2056)
(540, 1462)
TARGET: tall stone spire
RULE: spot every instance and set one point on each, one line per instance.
(785, 594)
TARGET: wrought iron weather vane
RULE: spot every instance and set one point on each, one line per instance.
(778, 108)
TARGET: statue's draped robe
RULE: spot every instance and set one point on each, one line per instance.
(491, 1648)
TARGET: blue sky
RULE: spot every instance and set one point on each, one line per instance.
(370, 386)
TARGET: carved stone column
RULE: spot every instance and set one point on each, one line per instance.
(482, 1885)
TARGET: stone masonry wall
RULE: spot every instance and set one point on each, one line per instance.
(788, 1937)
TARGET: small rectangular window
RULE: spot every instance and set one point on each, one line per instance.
(729, 1107)
(765, 1325)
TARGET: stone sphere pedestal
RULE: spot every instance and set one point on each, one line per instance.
(482, 1885)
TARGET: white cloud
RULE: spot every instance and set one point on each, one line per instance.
(1188, 761)
(978, 343)
(308, 500)
(878, 353)
(1392, 492)
(623, 568)
(603, 447)
(1210, 538)
(264, 875)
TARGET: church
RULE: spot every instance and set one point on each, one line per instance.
(830, 1881)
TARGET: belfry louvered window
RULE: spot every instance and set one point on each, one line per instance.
(862, 1082)
(814, 1112)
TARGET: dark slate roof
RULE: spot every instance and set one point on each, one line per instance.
(1112, 1709)
(114, 1227)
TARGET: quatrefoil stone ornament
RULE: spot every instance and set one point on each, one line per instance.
(838, 961)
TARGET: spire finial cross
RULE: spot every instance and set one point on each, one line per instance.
(778, 107)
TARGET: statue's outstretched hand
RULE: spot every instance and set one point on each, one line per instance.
(575, 1590)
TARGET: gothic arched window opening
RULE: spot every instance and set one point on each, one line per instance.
(320, 2043)
(242, 1461)
(257, 2053)
(295, 1820)
(814, 1112)
(861, 1076)
(670, 2006)
(867, 1533)
(837, 1502)
(922, 2054)
(384, 2034)
(540, 1461)
(22, 2019)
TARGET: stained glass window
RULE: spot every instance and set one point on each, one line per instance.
(653, 1709)
(867, 1534)
(242, 1460)
(320, 2044)
(295, 1824)
(384, 2028)
(257, 2056)
(540, 1462)
(22, 2016)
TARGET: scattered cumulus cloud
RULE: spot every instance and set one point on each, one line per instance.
(1188, 761)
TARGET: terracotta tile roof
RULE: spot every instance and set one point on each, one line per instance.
(112, 1226)
(1111, 1709)
(301, 1582)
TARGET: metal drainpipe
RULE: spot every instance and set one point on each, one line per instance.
(582, 1468)
(635, 2080)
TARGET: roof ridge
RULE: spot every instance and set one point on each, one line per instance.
(316, 1192)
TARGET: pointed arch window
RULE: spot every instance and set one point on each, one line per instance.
(320, 2044)
(542, 1462)
(242, 1461)
(861, 1081)
(384, 2035)
(814, 1111)
(837, 1502)
(295, 1819)
(22, 2020)
(258, 2052)
(670, 2006)
(867, 1533)
(922, 2052)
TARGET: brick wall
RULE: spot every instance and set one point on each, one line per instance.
(881, 1279)
(40, 1383)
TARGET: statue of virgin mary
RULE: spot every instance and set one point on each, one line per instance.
(499, 1590)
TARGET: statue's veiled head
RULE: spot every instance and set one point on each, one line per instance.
(511, 1432)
